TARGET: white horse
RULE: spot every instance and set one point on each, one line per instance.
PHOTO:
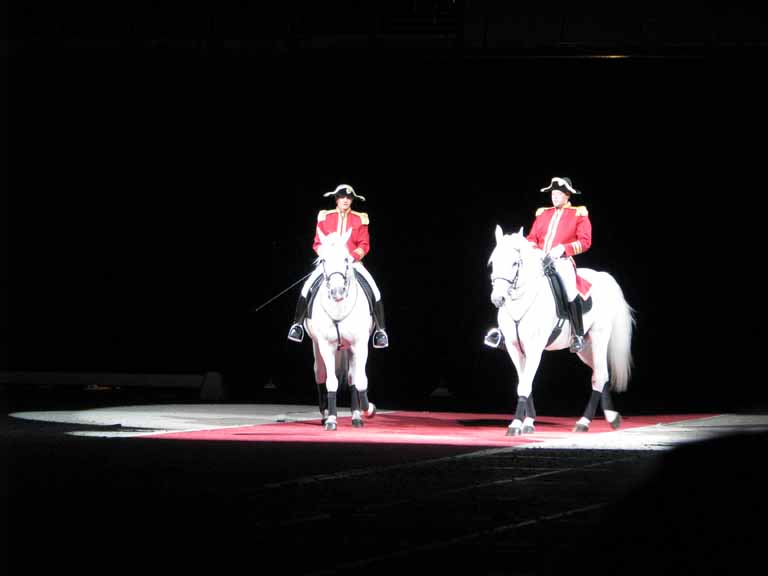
(528, 320)
(340, 324)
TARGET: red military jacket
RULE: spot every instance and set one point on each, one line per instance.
(569, 226)
(329, 221)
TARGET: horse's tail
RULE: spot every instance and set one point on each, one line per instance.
(620, 344)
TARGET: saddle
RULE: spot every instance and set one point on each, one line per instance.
(367, 289)
(561, 298)
(313, 292)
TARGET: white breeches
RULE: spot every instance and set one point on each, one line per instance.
(567, 271)
(358, 266)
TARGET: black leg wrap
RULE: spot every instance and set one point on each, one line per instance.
(531, 409)
(363, 399)
(354, 399)
(606, 401)
(522, 403)
(594, 400)
(322, 396)
(332, 410)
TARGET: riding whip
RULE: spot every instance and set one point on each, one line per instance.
(276, 296)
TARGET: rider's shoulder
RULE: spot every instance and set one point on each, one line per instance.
(363, 217)
(322, 214)
(580, 210)
(543, 209)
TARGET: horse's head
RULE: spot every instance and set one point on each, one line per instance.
(335, 259)
(508, 272)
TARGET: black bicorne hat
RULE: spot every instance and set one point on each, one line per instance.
(344, 190)
(562, 184)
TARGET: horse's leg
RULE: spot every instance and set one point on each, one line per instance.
(355, 395)
(596, 356)
(516, 427)
(359, 358)
(606, 403)
(354, 404)
(322, 394)
(330, 421)
(326, 351)
(530, 410)
(525, 413)
(320, 377)
(582, 425)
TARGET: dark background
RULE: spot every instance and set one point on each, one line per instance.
(168, 163)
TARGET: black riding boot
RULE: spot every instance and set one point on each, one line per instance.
(577, 325)
(380, 338)
(296, 333)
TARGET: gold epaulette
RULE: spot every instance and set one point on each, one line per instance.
(540, 211)
(363, 216)
(580, 210)
(322, 214)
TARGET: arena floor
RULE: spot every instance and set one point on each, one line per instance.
(246, 486)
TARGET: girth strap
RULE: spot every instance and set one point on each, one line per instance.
(338, 334)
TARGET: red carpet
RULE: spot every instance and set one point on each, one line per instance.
(454, 429)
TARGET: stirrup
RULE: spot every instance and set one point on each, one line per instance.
(494, 338)
(380, 339)
(577, 344)
(296, 333)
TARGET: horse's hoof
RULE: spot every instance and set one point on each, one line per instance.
(514, 431)
(528, 429)
(330, 425)
(357, 423)
(580, 428)
(616, 422)
(371, 412)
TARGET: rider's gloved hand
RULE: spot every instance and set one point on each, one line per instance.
(557, 251)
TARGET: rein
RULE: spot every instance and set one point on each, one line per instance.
(344, 275)
(512, 283)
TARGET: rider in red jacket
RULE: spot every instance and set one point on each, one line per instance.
(562, 231)
(339, 220)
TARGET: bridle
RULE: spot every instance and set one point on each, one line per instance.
(347, 282)
(515, 292)
(345, 276)
(513, 283)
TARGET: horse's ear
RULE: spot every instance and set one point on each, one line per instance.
(521, 231)
(346, 236)
(499, 234)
